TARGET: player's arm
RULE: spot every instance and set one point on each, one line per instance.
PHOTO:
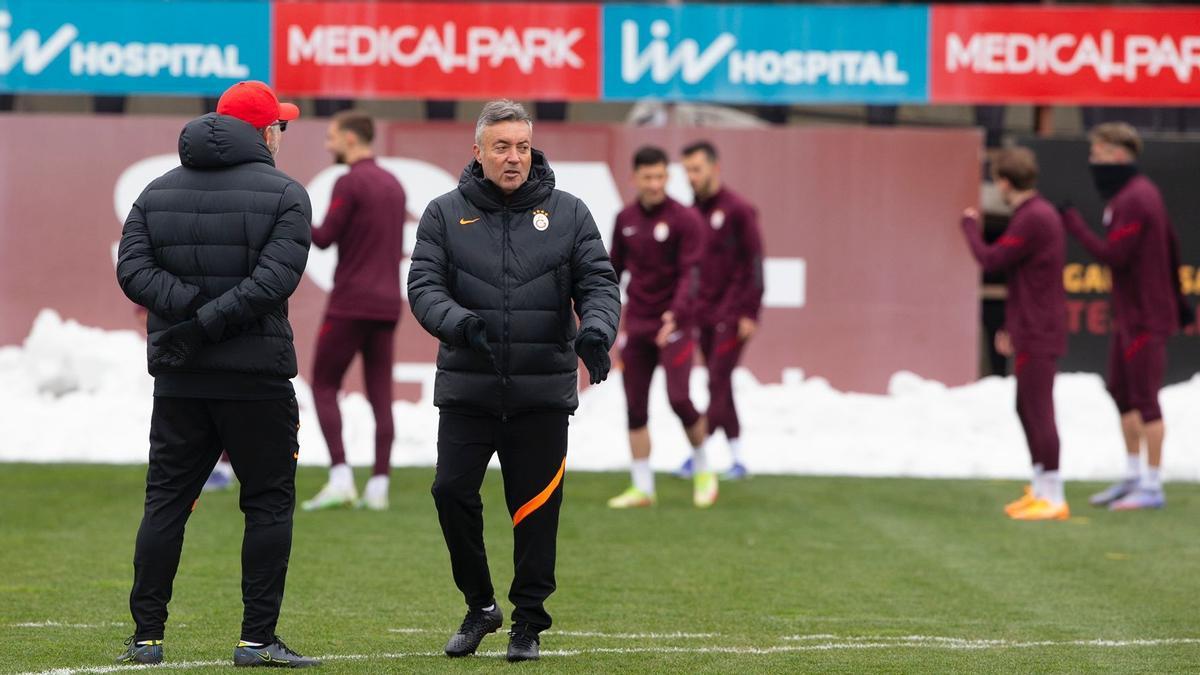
(744, 299)
(275, 276)
(428, 282)
(143, 280)
(341, 209)
(1117, 249)
(616, 253)
(691, 254)
(1010, 249)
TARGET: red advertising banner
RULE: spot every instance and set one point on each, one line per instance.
(1078, 55)
(436, 50)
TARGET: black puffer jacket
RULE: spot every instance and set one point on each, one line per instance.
(519, 263)
(223, 238)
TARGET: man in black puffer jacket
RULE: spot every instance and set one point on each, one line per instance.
(213, 249)
(501, 267)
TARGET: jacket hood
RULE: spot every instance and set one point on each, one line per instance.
(487, 196)
(215, 141)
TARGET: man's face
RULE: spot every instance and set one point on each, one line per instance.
(1107, 153)
(336, 142)
(274, 138)
(506, 153)
(701, 173)
(651, 183)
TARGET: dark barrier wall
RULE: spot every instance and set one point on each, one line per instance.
(868, 270)
(1175, 167)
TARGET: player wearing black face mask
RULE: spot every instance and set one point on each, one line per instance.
(1142, 250)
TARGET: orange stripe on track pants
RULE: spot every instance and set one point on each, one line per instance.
(541, 498)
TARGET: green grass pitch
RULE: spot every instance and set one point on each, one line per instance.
(784, 574)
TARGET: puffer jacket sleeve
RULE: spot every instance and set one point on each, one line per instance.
(276, 275)
(594, 283)
(428, 282)
(143, 280)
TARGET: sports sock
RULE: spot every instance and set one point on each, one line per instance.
(700, 455)
(643, 477)
(1036, 483)
(1152, 479)
(735, 450)
(1133, 466)
(1052, 484)
(341, 477)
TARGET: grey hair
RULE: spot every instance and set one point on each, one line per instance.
(503, 110)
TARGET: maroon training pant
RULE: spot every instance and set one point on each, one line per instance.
(722, 350)
(640, 356)
(339, 340)
(1035, 407)
(1136, 366)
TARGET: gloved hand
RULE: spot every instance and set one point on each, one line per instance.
(1187, 314)
(591, 348)
(177, 344)
(475, 334)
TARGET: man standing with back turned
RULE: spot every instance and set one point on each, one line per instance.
(499, 264)
(366, 221)
(1141, 249)
(213, 249)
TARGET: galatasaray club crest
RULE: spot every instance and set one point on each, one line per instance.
(541, 220)
(661, 232)
(718, 219)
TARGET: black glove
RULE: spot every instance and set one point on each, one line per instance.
(475, 335)
(591, 348)
(177, 344)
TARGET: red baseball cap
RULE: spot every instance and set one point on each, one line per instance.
(255, 103)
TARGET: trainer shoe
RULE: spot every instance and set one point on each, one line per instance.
(522, 645)
(331, 497)
(142, 652)
(685, 471)
(631, 498)
(704, 493)
(1114, 492)
(274, 655)
(1041, 509)
(375, 494)
(1021, 504)
(477, 624)
(736, 472)
(218, 481)
(1141, 498)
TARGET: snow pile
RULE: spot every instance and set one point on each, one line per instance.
(72, 393)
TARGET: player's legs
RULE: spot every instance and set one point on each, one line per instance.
(465, 445)
(1035, 394)
(1146, 361)
(184, 446)
(1131, 423)
(263, 447)
(337, 343)
(1031, 491)
(533, 453)
(378, 362)
(639, 358)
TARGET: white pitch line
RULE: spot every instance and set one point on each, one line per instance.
(59, 624)
(590, 633)
(848, 643)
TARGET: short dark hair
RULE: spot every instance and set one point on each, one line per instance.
(1018, 166)
(1120, 134)
(701, 146)
(356, 122)
(649, 155)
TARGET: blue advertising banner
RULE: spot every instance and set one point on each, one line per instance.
(766, 53)
(132, 46)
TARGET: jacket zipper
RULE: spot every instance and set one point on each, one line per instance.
(504, 339)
